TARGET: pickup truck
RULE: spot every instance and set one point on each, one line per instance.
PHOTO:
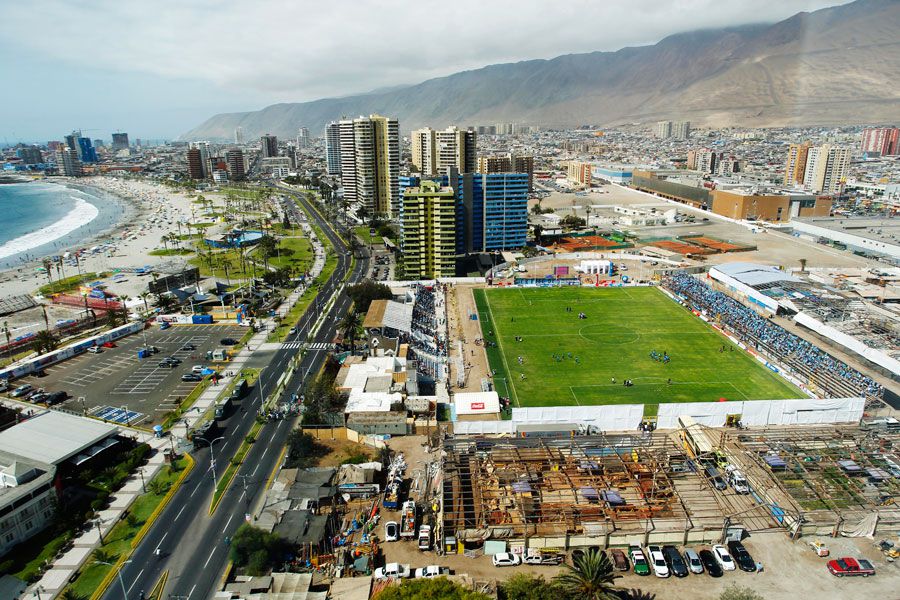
(850, 567)
(392, 571)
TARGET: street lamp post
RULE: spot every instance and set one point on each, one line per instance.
(119, 573)
(213, 455)
(259, 384)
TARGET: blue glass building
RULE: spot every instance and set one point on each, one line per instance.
(87, 152)
(491, 209)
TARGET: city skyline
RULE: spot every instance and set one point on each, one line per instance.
(160, 77)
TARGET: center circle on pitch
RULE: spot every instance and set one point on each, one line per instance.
(611, 335)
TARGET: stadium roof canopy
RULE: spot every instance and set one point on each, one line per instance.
(54, 437)
(753, 274)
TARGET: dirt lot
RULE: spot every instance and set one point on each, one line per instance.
(461, 327)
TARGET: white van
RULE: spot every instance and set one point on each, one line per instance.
(738, 482)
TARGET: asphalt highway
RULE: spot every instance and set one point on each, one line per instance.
(185, 540)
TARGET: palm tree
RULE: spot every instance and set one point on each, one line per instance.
(143, 296)
(165, 242)
(72, 595)
(349, 326)
(102, 556)
(636, 594)
(44, 341)
(802, 265)
(591, 577)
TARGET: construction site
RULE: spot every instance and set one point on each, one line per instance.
(654, 487)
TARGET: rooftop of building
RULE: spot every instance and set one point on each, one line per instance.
(21, 476)
(54, 437)
(885, 230)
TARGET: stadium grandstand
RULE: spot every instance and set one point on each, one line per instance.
(822, 372)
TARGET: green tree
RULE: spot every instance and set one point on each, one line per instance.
(591, 577)
(439, 588)
(349, 327)
(102, 556)
(736, 592)
(302, 450)
(71, 595)
(538, 232)
(363, 293)
(255, 548)
(636, 594)
(44, 341)
(524, 586)
(572, 222)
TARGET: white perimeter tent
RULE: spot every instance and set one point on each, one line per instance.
(476, 403)
(626, 417)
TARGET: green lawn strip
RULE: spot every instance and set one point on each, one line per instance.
(293, 316)
(299, 254)
(67, 284)
(174, 416)
(171, 252)
(212, 263)
(613, 343)
(500, 377)
(233, 465)
(43, 547)
(119, 542)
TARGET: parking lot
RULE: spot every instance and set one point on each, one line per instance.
(118, 386)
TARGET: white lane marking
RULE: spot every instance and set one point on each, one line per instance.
(206, 563)
(179, 512)
(135, 581)
(227, 523)
(192, 590)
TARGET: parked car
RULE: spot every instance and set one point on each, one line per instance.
(23, 389)
(292, 330)
(424, 537)
(191, 377)
(108, 344)
(743, 559)
(39, 397)
(391, 531)
(694, 564)
(850, 567)
(228, 341)
(95, 349)
(820, 548)
(715, 478)
(619, 560)
(4, 385)
(506, 559)
(392, 571)
(57, 397)
(677, 566)
(188, 347)
(173, 359)
(536, 557)
(723, 557)
(197, 369)
(641, 566)
(658, 561)
(167, 364)
(431, 571)
(710, 563)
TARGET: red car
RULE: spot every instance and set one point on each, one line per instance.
(108, 344)
(850, 567)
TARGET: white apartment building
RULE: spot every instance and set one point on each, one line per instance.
(826, 169)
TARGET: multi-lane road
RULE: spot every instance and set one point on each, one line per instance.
(185, 540)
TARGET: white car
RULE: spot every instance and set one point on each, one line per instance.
(391, 531)
(95, 349)
(658, 561)
(430, 572)
(506, 559)
(197, 369)
(424, 537)
(723, 558)
(392, 571)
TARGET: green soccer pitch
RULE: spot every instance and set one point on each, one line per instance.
(621, 328)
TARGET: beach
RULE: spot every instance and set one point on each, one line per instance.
(151, 210)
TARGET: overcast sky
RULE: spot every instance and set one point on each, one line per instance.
(156, 69)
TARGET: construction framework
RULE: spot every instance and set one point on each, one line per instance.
(585, 490)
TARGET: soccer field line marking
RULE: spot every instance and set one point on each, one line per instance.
(653, 380)
(509, 381)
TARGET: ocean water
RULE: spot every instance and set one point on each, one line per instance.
(43, 219)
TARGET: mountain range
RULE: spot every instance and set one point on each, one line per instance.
(835, 66)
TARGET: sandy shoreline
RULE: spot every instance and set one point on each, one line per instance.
(151, 211)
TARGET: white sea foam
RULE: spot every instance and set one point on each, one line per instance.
(81, 214)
